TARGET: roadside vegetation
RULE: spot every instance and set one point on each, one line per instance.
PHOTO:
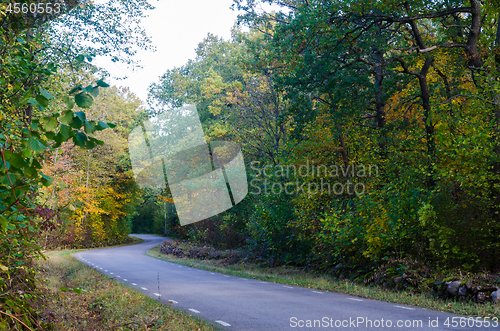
(77, 297)
(370, 133)
(234, 263)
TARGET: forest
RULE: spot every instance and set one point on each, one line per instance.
(370, 132)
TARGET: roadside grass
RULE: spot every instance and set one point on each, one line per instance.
(129, 240)
(102, 303)
(290, 276)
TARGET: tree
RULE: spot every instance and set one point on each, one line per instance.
(423, 71)
(31, 124)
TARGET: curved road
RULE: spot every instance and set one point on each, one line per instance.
(235, 303)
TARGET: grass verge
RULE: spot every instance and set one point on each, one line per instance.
(289, 276)
(93, 301)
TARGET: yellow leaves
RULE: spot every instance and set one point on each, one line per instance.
(214, 110)
(218, 130)
(165, 199)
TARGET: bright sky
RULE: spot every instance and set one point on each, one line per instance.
(175, 27)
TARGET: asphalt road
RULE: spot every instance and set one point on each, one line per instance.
(234, 303)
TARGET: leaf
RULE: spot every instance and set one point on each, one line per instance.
(64, 289)
(46, 94)
(88, 127)
(101, 125)
(3, 224)
(20, 191)
(48, 123)
(2, 267)
(36, 145)
(35, 164)
(80, 58)
(94, 92)
(26, 152)
(30, 172)
(46, 180)
(27, 96)
(42, 101)
(7, 179)
(80, 115)
(76, 290)
(80, 139)
(84, 100)
(52, 67)
(2, 165)
(90, 144)
(15, 159)
(67, 117)
(76, 123)
(32, 102)
(65, 130)
(98, 142)
(101, 83)
(69, 102)
(111, 125)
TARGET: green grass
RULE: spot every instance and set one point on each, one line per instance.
(289, 276)
(103, 303)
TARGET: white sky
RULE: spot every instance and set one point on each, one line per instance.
(175, 27)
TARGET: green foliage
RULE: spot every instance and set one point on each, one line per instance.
(349, 83)
(23, 140)
(94, 191)
(38, 115)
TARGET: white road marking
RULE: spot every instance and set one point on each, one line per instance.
(288, 286)
(179, 266)
(125, 279)
(318, 292)
(118, 276)
(404, 307)
(105, 270)
(212, 273)
(100, 268)
(157, 294)
(194, 310)
(226, 276)
(354, 299)
(172, 301)
(134, 284)
(145, 289)
(111, 273)
(223, 323)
